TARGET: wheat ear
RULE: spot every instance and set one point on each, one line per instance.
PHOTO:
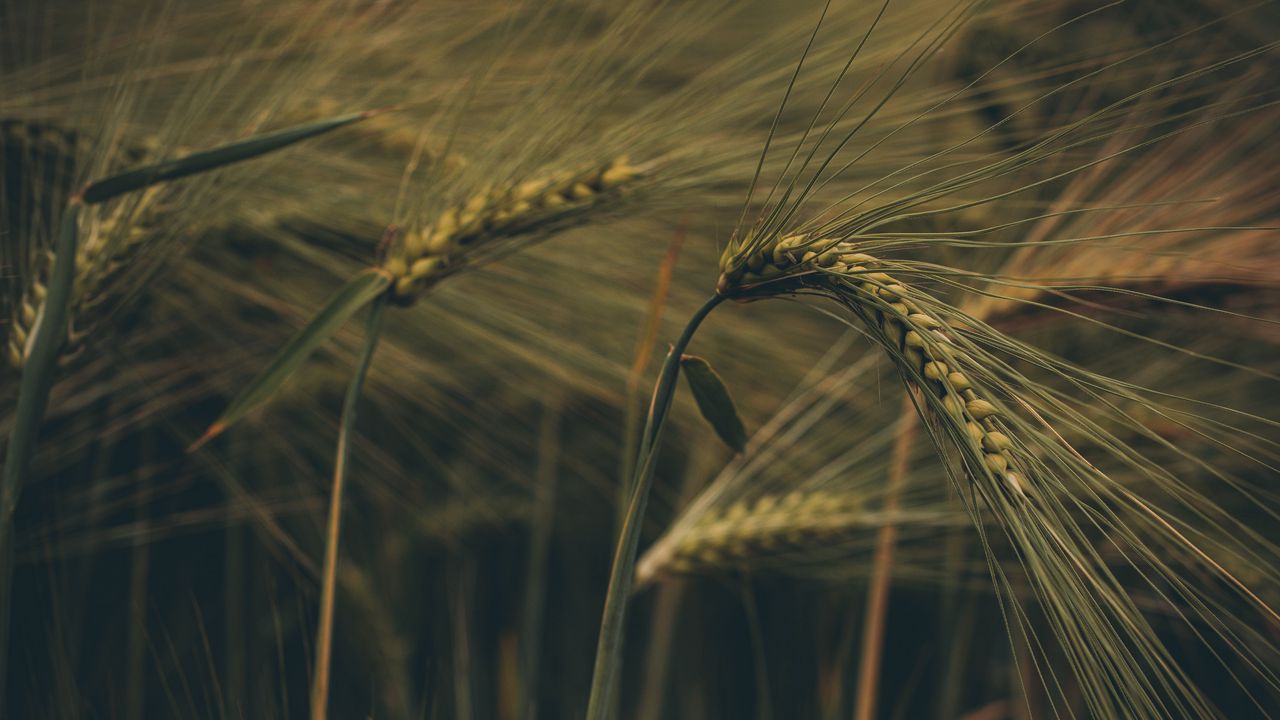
(544, 204)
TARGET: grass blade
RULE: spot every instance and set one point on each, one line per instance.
(324, 631)
(358, 292)
(138, 178)
(714, 401)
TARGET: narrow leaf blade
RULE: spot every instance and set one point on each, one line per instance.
(213, 158)
(714, 401)
(358, 292)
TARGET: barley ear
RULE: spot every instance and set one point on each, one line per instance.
(48, 332)
(714, 401)
(357, 293)
(195, 163)
(40, 361)
(49, 327)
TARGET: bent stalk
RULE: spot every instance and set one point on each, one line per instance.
(609, 646)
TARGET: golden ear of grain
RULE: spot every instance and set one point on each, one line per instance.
(920, 342)
(431, 253)
(745, 532)
(1026, 475)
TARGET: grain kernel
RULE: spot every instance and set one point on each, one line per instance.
(996, 441)
(996, 462)
(980, 409)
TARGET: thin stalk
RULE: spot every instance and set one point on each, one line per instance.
(329, 575)
(609, 647)
(461, 599)
(539, 555)
(882, 570)
(39, 366)
(644, 350)
(139, 579)
(831, 681)
(760, 659)
(666, 608)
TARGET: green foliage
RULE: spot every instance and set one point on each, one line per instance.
(358, 292)
(212, 159)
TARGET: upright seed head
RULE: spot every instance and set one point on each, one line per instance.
(111, 234)
(430, 253)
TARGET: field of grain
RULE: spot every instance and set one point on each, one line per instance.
(639, 359)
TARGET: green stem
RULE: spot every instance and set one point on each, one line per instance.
(38, 373)
(609, 647)
(324, 630)
(630, 441)
(39, 367)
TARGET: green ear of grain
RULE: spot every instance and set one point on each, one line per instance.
(39, 371)
(714, 401)
(357, 293)
(41, 362)
(211, 159)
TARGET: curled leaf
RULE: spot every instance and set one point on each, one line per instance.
(714, 401)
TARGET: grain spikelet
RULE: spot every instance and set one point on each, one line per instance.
(746, 532)
(534, 207)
